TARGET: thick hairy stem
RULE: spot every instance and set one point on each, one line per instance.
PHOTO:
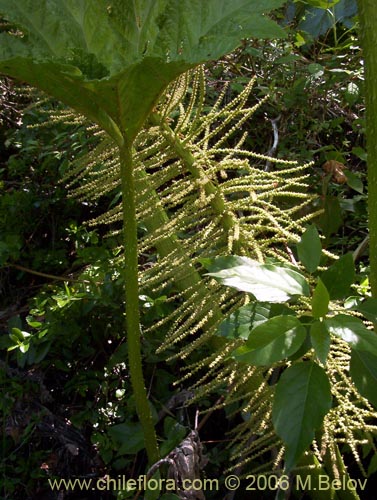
(368, 35)
(132, 304)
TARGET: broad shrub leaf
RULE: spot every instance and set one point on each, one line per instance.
(309, 249)
(240, 323)
(320, 339)
(302, 399)
(331, 219)
(354, 181)
(324, 14)
(363, 371)
(353, 331)
(111, 59)
(339, 277)
(320, 300)
(174, 433)
(128, 437)
(273, 340)
(368, 308)
(268, 283)
(303, 349)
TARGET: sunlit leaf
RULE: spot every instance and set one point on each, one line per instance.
(353, 331)
(267, 282)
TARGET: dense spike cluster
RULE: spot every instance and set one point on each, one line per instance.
(201, 194)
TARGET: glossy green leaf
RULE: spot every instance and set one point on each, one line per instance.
(318, 21)
(303, 349)
(320, 340)
(273, 340)
(363, 370)
(174, 433)
(128, 437)
(331, 219)
(240, 323)
(24, 347)
(368, 308)
(354, 181)
(111, 59)
(372, 465)
(339, 277)
(320, 300)
(309, 249)
(267, 282)
(21, 335)
(352, 302)
(302, 399)
(353, 331)
(360, 153)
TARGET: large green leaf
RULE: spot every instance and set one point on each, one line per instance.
(302, 399)
(321, 340)
(174, 433)
(128, 437)
(339, 277)
(111, 59)
(363, 371)
(320, 300)
(273, 340)
(331, 219)
(368, 308)
(240, 323)
(317, 21)
(353, 331)
(309, 249)
(268, 283)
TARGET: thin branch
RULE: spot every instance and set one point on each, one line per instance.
(273, 149)
(49, 276)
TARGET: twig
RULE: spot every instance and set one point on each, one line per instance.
(290, 255)
(272, 150)
(46, 275)
(360, 249)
